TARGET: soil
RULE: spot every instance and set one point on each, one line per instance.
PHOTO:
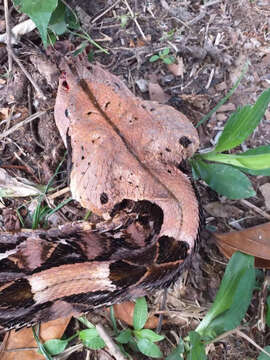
(211, 40)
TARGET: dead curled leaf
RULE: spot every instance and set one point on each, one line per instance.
(126, 148)
(253, 241)
(24, 340)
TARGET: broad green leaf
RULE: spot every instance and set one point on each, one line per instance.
(224, 179)
(258, 150)
(154, 58)
(57, 21)
(168, 60)
(91, 339)
(140, 313)
(242, 123)
(178, 352)
(233, 296)
(148, 348)
(124, 336)
(197, 349)
(253, 162)
(268, 311)
(55, 346)
(148, 334)
(262, 355)
(164, 52)
(40, 12)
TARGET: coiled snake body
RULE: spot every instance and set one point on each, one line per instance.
(125, 154)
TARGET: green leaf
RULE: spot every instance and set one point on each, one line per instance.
(197, 349)
(178, 352)
(40, 12)
(233, 297)
(148, 334)
(124, 336)
(164, 52)
(148, 348)
(140, 313)
(72, 20)
(258, 150)
(154, 58)
(242, 123)
(253, 162)
(91, 339)
(57, 21)
(262, 355)
(224, 179)
(55, 346)
(268, 311)
(168, 60)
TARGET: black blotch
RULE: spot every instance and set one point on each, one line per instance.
(123, 274)
(82, 158)
(17, 294)
(104, 198)
(184, 141)
(169, 171)
(168, 150)
(176, 102)
(66, 113)
(107, 104)
(82, 147)
(171, 250)
(89, 113)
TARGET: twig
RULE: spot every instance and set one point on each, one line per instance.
(22, 123)
(113, 348)
(255, 208)
(246, 337)
(26, 73)
(163, 304)
(9, 49)
(59, 193)
(104, 12)
(135, 20)
(30, 111)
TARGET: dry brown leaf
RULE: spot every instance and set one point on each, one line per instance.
(24, 339)
(253, 241)
(4, 113)
(125, 310)
(156, 93)
(177, 68)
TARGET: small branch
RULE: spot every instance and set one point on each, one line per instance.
(22, 123)
(26, 73)
(9, 49)
(255, 208)
(135, 20)
(113, 348)
(246, 337)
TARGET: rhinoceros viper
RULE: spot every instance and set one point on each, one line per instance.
(125, 154)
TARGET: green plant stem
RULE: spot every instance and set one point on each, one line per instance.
(87, 37)
(226, 97)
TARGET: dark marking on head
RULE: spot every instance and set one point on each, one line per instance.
(104, 198)
(184, 141)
